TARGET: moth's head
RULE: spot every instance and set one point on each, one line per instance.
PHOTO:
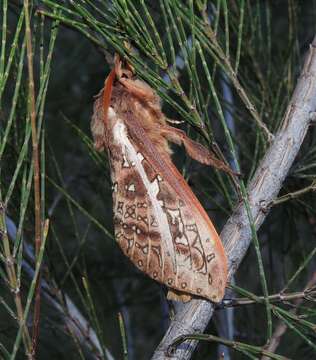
(135, 87)
(122, 91)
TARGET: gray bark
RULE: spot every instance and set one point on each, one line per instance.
(194, 316)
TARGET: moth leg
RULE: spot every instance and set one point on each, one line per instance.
(138, 89)
(195, 150)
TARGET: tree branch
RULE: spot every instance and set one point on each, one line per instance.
(194, 316)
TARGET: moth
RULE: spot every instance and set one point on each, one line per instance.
(159, 223)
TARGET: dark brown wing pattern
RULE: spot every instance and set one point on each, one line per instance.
(192, 260)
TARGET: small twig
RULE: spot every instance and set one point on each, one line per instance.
(123, 336)
(36, 164)
(307, 294)
(295, 194)
(236, 345)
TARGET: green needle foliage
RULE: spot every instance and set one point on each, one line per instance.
(227, 69)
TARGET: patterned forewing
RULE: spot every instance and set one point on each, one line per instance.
(164, 235)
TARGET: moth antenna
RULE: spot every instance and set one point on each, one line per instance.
(107, 93)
